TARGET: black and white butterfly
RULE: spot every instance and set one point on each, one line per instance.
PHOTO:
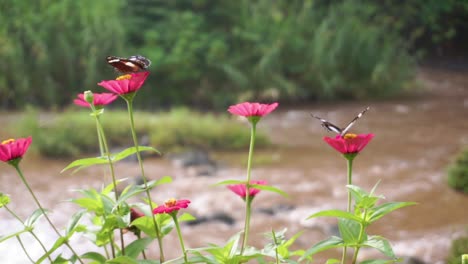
(131, 64)
(334, 128)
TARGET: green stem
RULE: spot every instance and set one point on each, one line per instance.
(179, 234)
(140, 162)
(103, 144)
(30, 231)
(361, 234)
(247, 187)
(25, 251)
(349, 159)
(43, 211)
(276, 246)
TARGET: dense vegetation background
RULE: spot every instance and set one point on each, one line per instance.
(211, 53)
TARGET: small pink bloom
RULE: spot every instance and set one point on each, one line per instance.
(125, 84)
(349, 143)
(252, 109)
(170, 206)
(241, 189)
(13, 149)
(99, 99)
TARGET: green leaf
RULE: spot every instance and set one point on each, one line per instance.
(381, 210)
(83, 163)
(94, 256)
(145, 224)
(136, 247)
(58, 243)
(122, 260)
(332, 242)
(349, 230)
(74, 221)
(229, 182)
(4, 238)
(338, 214)
(381, 244)
(333, 261)
(86, 162)
(132, 150)
(378, 261)
(32, 219)
(186, 217)
(4, 199)
(269, 188)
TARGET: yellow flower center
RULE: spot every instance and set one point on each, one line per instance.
(350, 136)
(171, 202)
(8, 141)
(124, 77)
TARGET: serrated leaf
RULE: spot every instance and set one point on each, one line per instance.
(349, 231)
(332, 242)
(336, 213)
(383, 209)
(381, 244)
(136, 247)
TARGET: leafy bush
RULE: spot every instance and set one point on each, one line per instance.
(295, 50)
(458, 248)
(72, 134)
(51, 49)
(458, 172)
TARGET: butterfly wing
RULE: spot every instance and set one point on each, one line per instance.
(328, 126)
(134, 63)
(346, 129)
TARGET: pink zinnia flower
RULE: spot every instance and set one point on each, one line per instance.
(170, 206)
(125, 84)
(12, 149)
(99, 99)
(252, 109)
(241, 189)
(349, 143)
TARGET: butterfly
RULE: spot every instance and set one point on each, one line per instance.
(131, 64)
(334, 128)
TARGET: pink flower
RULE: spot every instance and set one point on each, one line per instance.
(12, 149)
(252, 109)
(99, 99)
(241, 189)
(349, 143)
(125, 84)
(170, 206)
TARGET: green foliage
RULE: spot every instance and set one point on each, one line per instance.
(73, 134)
(219, 52)
(352, 226)
(51, 49)
(458, 172)
(458, 248)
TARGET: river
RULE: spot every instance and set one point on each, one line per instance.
(415, 139)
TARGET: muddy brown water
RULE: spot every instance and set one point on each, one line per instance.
(415, 140)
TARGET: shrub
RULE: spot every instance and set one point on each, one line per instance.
(73, 133)
(458, 248)
(458, 172)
